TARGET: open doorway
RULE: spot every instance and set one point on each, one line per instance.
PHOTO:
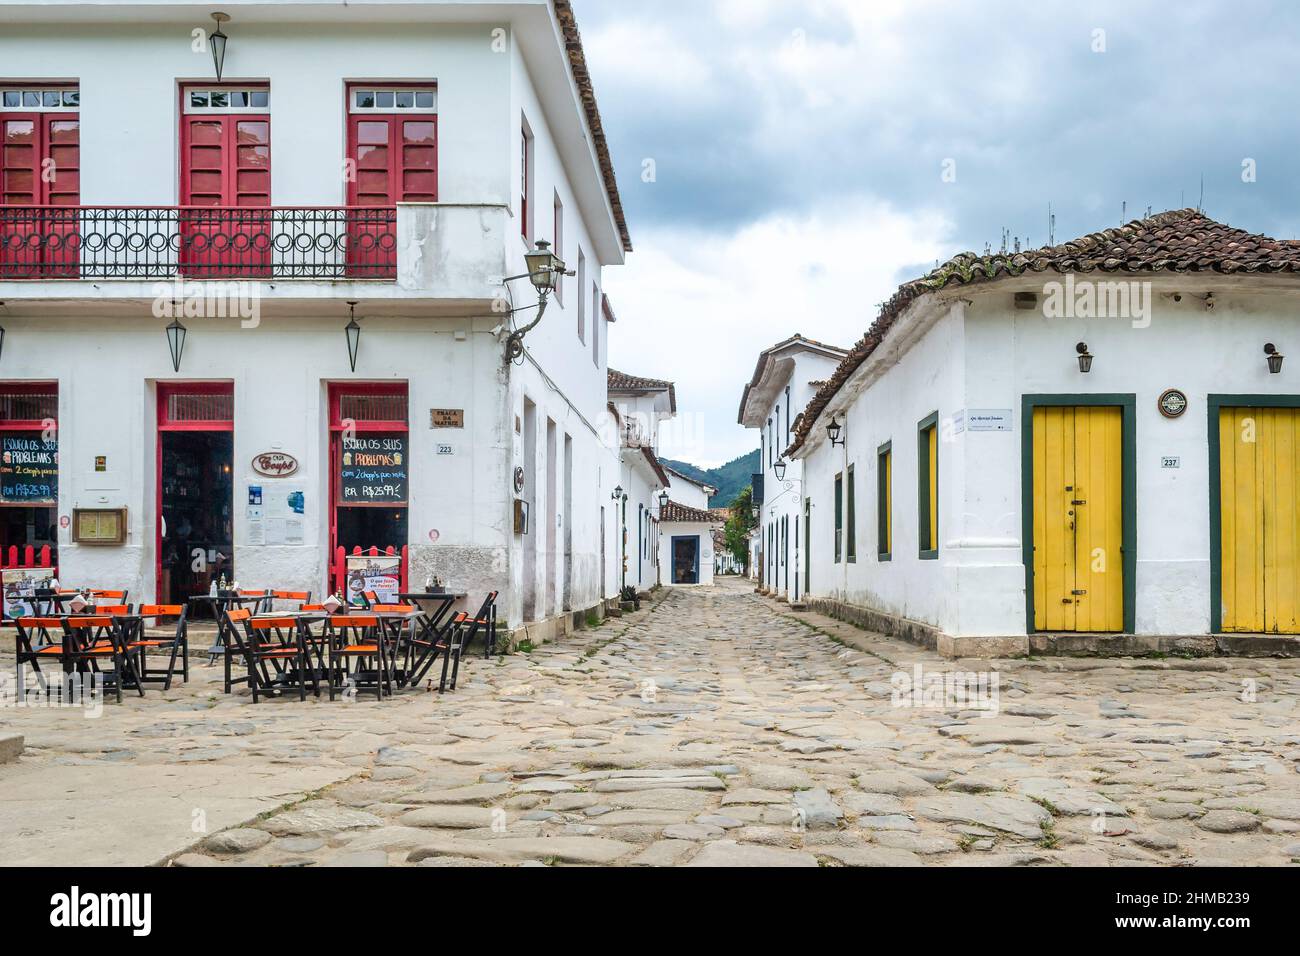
(686, 559)
(195, 489)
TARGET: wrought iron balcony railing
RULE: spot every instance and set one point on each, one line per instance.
(198, 242)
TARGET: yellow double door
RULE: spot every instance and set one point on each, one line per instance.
(1259, 457)
(1078, 518)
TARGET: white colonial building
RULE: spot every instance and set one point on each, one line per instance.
(686, 544)
(1086, 448)
(786, 377)
(259, 320)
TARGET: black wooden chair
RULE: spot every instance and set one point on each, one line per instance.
(34, 643)
(275, 657)
(360, 652)
(464, 630)
(93, 641)
(177, 643)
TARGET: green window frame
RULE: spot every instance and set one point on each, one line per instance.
(885, 501)
(851, 519)
(839, 516)
(927, 487)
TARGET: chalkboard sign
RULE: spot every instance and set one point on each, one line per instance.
(372, 469)
(29, 469)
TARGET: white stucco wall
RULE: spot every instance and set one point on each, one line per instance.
(988, 355)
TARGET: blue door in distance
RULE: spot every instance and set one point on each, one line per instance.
(686, 559)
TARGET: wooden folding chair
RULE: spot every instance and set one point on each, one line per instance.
(274, 641)
(464, 630)
(178, 643)
(361, 639)
(229, 627)
(301, 597)
(93, 639)
(34, 643)
(108, 597)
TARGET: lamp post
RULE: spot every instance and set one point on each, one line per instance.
(353, 332)
(217, 41)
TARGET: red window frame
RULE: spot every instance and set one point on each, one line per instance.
(44, 243)
(45, 555)
(231, 236)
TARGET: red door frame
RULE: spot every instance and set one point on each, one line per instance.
(30, 552)
(166, 389)
(247, 223)
(336, 428)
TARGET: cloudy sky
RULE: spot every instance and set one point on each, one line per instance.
(798, 152)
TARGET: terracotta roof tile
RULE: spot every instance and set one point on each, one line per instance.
(1179, 241)
(678, 512)
(578, 66)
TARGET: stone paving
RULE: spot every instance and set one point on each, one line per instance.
(712, 728)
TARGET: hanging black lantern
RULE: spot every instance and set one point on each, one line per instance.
(779, 469)
(217, 41)
(1085, 357)
(1274, 356)
(353, 331)
(618, 493)
(176, 342)
(663, 500)
(833, 433)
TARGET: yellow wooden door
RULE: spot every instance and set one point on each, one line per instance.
(1259, 455)
(1078, 518)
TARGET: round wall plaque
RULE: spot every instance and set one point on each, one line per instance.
(1172, 403)
(519, 480)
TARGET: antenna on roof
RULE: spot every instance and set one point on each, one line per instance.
(1200, 203)
(1148, 215)
(1051, 226)
(1123, 211)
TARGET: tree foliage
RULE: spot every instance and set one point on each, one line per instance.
(739, 525)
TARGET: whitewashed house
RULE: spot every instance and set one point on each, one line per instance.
(264, 317)
(1085, 448)
(638, 406)
(786, 377)
(686, 544)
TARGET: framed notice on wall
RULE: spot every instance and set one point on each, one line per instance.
(29, 469)
(372, 469)
(99, 525)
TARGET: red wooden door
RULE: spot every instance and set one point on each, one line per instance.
(226, 222)
(40, 188)
(395, 159)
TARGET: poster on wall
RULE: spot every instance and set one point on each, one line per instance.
(276, 514)
(20, 586)
(29, 469)
(372, 469)
(381, 574)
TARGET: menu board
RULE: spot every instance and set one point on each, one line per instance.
(29, 469)
(372, 469)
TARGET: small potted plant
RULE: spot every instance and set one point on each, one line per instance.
(629, 596)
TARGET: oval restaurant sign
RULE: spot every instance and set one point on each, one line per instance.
(275, 464)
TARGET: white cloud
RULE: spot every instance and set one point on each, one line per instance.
(697, 308)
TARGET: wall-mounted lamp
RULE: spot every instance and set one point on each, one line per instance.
(176, 342)
(1085, 357)
(663, 500)
(217, 41)
(1274, 356)
(618, 493)
(779, 469)
(833, 433)
(353, 331)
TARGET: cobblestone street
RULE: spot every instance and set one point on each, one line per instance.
(711, 728)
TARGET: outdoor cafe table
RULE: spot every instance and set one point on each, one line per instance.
(220, 603)
(387, 619)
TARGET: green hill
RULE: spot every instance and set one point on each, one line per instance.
(730, 479)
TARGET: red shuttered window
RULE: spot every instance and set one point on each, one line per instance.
(40, 170)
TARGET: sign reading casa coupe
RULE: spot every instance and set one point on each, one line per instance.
(275, 464)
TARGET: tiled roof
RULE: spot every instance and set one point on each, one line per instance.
(578, 65)
(616, 381)
(1180, 241)
(720, 514)
(656, 464)
(678, 512)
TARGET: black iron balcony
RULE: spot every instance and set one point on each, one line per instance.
(193, 242)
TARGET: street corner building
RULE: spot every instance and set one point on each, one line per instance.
(786, 377)
(1087, 448)
(324, 291)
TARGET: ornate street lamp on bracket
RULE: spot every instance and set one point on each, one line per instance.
(545, 269)
(217, 43)
(176, 342)
(833, 433)
(779, 469)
